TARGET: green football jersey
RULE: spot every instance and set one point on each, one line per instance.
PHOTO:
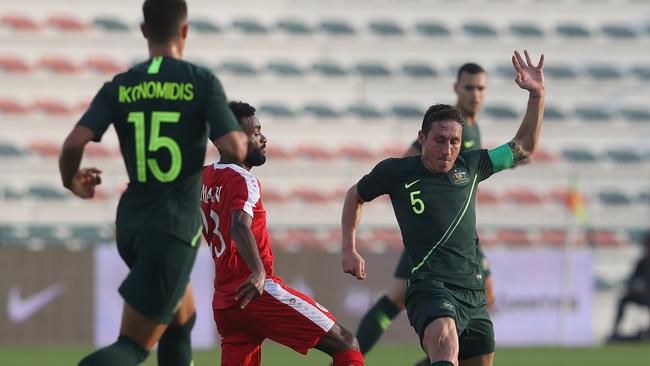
(436, 212)
(163, 111)
(471, 139)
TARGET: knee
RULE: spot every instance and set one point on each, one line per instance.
(441, 344)
(175, 333)
(349, 340)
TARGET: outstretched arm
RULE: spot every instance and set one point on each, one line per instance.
(529, 77)
(353, 263)
(241, 233)
(81, 182)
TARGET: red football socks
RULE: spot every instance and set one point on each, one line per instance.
(348, 358)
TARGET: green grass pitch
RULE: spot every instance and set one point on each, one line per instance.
(383, 355)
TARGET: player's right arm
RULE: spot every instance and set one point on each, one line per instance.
(241, 233)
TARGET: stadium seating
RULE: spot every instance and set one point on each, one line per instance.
(294, 27)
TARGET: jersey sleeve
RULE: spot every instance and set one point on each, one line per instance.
(244, 195)
(501, 158)
(220, 118)
(99, 115)
(377, 182)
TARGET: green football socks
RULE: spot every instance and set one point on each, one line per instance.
(124, 352)
(175, 345)
(375, 322)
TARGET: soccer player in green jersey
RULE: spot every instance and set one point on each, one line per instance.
(470, 87)
(433, 197)
(163, 111)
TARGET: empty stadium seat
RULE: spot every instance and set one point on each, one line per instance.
(431, 28)
(294, 27)
(613, 198)
(364, 111)
(52, 106)
(238, 67)
(276, 110)
(337, 27)
(500, 112)
(9, 150)
(284, 68)
(111, 24)
(558, 71)
(578, 155)
(419, 70)
(104, 65)
(485, 197)
(66, 23)
(249, 26)
(572, 31)
(593, 113)
(45, 192)
(618, 31)
(203, 26)
(320, 110)
(526, 30)
(59, 65)
(553, 237)
(10, 106)
(389, 237)
(524, 196)
(479, 29)
(91, 234)
(328, 68)
(393, 151)
(313, 152)
(604, 72)
(635, 114)
(385, 28)
(355, 152)
(641, 72)
(277, 152)
(273, 196)
(624, 156)
(19, 22)
(553, 113)
(310, 195)
(45, 148)
(513, 237)
(603, 238)
(372, 69)
(506, 71)
(14, 64)
(407, 111)
(95, 150)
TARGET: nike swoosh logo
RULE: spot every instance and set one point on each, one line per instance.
(469, 144)
(408, 185)
(20, 309)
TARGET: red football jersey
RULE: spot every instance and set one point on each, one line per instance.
(227, 188)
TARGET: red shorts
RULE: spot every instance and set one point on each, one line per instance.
(281, 314)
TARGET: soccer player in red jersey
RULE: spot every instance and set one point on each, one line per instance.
(250, 302)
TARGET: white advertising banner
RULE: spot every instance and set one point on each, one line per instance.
(110, 271)
(543, 297)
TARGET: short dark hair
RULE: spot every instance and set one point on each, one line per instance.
(440, 113)
(163, 19)
(470, 68)
(241, 110)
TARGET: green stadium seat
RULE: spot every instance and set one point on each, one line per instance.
(593, 113)
(9, 150)
(553, 113)
(577, 155)
(603, 72)
(499, 112)
(372, 69)
(526, 30)
(619, 31)
(572, 31)
(479, 30)
(91, 233)
(560, 72)
(644, 197)
(294, 27)
(636, 114)
(432, 28)
(614, 198)
(419, 70)
(236, 67)
(506, 71)
(47, 233)
(110, 24)
(329, 69)
(407, 111)
(249, 26)
(385, 28)
(203, 26)
(320, 110)
(284, 68)
(276, 110)
(636, 236)
(641, 72)
(45, 192)
(11, 193)
(624, 155)
(338, 27)
(364, 111)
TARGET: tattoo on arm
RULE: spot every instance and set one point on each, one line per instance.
(518, 154)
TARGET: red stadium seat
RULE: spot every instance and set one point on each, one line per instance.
(276, 152)
(485, 197)
(603, 238)
(524, 196)
(513, 237)
(310, 195)
(553, 237)
(19, 23)
(381, 239)
(66, 23)
(104, 65)
(50, 106)
(396, 151)
(45, 148)
(542, 156)
(313, 152)
(98, 151)
(356, 152)
(14, 64)
(10, 106)
(272, 196)
(59, 65)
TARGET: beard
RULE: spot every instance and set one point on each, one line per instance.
(255, 158)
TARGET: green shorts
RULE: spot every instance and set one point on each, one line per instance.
(427, 300)
(160, 271)
(404, 266)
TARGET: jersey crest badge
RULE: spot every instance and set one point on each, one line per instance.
(459, 177)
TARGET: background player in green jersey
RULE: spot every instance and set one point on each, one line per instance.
(470, 87)
(433, 197)
(163, 111)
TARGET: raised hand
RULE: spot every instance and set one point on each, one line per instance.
(529, 76)
(84, 182)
